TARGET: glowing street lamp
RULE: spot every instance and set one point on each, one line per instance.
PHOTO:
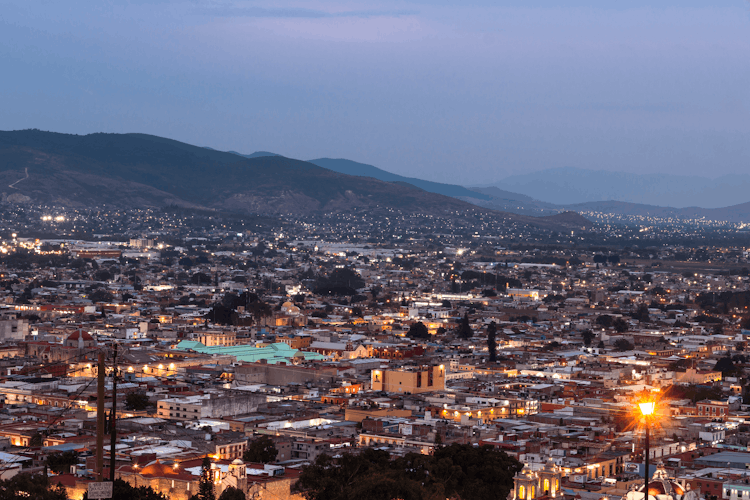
(647, 410)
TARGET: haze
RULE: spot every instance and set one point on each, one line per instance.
(466, 94)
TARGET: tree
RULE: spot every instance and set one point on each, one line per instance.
(60, 463)
(122, 490)
(491, 341)
(620, 325)
(623, 345)
(588, 336)
(641, 314)
(455, 471)
(418, 331)
(136, 401)
(100, 295)
(725, 366)
(35, 486)
(604, 320)
(206, 484)
(551, 346)
(260, 450)
(464, 327)
(232, 493)
(36, 440)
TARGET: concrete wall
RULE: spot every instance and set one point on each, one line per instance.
(232, 403)
(14, 329)
(261, 373)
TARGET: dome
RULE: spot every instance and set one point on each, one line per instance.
(664, 487)
(658, 488)
(237, 461)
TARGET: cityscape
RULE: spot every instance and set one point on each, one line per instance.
(374, 250)
(269, 345)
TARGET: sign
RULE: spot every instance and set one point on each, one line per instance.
(100, 490)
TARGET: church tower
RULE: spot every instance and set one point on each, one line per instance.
(549, 479)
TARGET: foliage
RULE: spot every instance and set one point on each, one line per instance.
(725, 366)
(122, 490)
(100, 295)
(588, 336)
(205, 485)
(551, 346)
(623, 345)
(464, 328)
(418, 331)
(260, 450)
(26, 485)
(340, 281)
(604, 320)
(232, 493)
(641, 314)
(491, 341)
(60, 463)
(455, 471)
(695, 392)
(36, 440)
(136, 401)
(620, 325)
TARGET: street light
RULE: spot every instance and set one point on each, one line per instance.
(647, 410)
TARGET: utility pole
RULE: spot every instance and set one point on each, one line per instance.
(100, 419)
(113, 424)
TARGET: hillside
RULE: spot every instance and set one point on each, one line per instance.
(350, 167)
(132, 170)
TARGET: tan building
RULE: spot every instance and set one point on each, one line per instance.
(409, 380)
(693, 376)
(295, 341)
(210, 339)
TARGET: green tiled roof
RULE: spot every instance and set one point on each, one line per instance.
(273, 353)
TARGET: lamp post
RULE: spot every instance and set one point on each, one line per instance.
(647, 410)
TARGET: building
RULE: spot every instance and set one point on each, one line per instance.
(281, 374)
(80, 340)
(13, 329)
(210, 339)
(209, 406)
(528, 485)
(713, 409)
(410, 380)
(693, 376)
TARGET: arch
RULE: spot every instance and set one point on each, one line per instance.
(522, 492)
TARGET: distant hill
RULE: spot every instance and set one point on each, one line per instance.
(498, 193)
(569, 186)
(138, 170)
(734, 213)
(257, 154)
(350, 167)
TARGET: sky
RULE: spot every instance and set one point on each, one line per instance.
(464, 92)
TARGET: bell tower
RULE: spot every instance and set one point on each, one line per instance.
(549, 479)
(525, 485)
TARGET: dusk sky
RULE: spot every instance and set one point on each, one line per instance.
(464, 92)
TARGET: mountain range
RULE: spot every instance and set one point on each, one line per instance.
(139, 170)
(129, 170)
(569, 186)
(575, 190)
